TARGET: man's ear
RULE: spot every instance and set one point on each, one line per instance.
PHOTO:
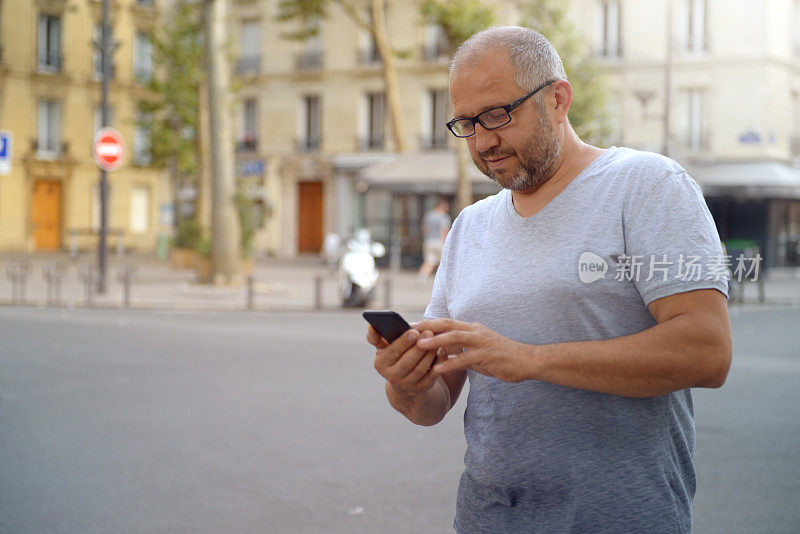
(562, 93)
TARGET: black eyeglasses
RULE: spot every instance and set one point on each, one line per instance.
(491, 118)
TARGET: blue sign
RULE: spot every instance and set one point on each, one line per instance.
(750, 138)
(5, 152)
(253, 167)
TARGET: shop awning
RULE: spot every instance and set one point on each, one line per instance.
(422, 172)
(753, 179)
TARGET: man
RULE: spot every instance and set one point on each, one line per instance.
(582, 301)
(435, 225)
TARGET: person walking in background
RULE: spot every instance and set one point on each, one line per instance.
(435, 225)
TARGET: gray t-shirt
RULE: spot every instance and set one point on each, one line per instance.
(633, 227)
(434, 224)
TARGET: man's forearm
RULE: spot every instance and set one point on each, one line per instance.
(670, 356)
(425, 409)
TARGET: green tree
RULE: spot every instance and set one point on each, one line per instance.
(459, 19)
(589, 113)
(173, 112)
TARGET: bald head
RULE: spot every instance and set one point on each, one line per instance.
(532, 57)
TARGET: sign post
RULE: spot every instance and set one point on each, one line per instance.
(109, 151)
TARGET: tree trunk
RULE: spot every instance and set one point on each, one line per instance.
(225, 246)
(203, 201)
(463, 183)
(389, 74)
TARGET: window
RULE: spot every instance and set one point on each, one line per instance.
(368, 49)
(376, 108)
(250, 47)
(609, 34)
(693, 28)
(48, 133)
(694, 118)
(142, 58)
(141, 139)
(311, 57)
(140, 210)
(311, 123)
(435, 46)
(49, 43)
(248, 137)
(434, 134)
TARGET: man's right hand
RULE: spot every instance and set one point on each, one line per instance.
(407, 368)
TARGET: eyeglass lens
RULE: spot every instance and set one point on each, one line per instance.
(493, 118)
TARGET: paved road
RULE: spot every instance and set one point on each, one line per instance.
(136, 421)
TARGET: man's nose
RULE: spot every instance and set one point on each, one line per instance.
(485, 139)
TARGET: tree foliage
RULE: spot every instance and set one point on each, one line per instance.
(459, 19)
(588, 114)
(178, 58)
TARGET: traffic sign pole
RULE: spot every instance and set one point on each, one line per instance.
(102, 245)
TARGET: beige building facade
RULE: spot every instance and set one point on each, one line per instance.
(50, 108)
(731, 72)
(317, 111)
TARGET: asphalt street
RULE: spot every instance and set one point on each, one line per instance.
(135, 421)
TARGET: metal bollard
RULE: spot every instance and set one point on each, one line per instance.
(53, 274)
(318, 292)
(387, 292)
(17, 272)
(88, 277)
(125, 275)
(251, 283)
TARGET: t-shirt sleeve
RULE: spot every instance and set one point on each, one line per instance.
(671, 242)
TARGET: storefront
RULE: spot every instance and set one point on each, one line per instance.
(393, 197)
(756, 201)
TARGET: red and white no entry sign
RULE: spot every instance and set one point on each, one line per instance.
(108, 149)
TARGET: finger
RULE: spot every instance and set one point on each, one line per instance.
(375, 339)
(391, 354)
(406, 364)
(456, 362)
(427, 381)
(437, 326)
(456, 338)
(420, 371)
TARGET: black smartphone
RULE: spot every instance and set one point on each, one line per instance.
(388, 324)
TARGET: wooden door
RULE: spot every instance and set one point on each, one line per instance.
(46, 214)
(309, 217)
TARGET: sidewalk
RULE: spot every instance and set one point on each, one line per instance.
(279, 285)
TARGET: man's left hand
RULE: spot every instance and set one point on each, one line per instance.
(475, 347)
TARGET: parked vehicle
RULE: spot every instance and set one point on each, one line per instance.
(358, 272)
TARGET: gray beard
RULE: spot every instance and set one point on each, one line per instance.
(538, 160)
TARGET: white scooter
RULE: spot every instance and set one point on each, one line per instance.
(357, 269)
